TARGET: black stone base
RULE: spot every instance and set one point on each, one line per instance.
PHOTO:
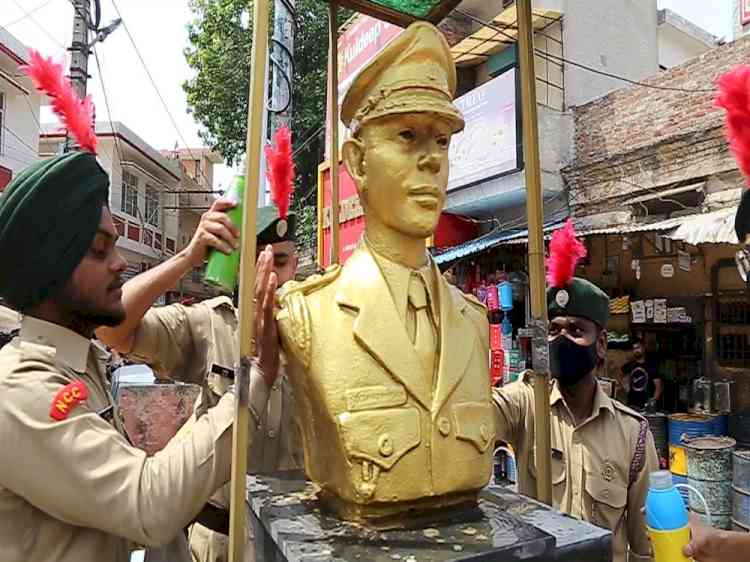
(505, 526)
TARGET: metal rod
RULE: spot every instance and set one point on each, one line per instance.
(333, 112)
(534, 211)
(256, 115)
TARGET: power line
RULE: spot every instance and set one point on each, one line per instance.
(27, 15)
(106, 104)
(158, 93)
(493, 25)
(38, 26)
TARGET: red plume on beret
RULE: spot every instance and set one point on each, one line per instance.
(75, 113)
(565, 251)
(734, 97)
(280, 170)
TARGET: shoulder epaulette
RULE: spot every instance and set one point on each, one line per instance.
(312, 283)
(627, 410)
(217, 302)
(473, 301)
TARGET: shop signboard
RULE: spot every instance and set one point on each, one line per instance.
(639, 312)
(660, 311)
(357, 45)
(667, 271)
(488, 146)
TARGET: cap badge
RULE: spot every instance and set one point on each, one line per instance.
(562, 298)
(281, 227)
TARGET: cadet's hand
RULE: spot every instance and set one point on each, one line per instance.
(714, 545)
(215, 230)
(266, 334)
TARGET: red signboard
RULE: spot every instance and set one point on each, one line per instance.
(361, 41)
(5, 176)
(351, 219)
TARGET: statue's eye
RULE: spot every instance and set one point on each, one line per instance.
(407, 135)
(442, 142)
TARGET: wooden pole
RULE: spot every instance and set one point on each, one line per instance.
(534, 210)
(256, 115)
(333, 115)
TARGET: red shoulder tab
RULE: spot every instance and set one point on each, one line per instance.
(67, 399)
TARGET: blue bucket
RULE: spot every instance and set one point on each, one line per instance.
(506, 295)
(721, 425)
(691, 425)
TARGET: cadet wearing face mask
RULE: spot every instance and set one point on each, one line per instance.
(602, 451)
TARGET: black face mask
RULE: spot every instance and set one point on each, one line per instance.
(570, 362)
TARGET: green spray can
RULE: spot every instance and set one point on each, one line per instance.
(222, 269)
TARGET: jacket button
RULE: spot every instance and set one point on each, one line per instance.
(386, 445)
(444, 426)
(271, 433)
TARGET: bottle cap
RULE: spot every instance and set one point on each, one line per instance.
(660, 480)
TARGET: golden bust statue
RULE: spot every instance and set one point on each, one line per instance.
(389, 362)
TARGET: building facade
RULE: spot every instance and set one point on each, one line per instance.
(19, 110)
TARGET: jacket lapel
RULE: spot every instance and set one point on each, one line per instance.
(378, 327)
(457, 337)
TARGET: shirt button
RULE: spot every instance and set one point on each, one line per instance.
(271, 433)
(385, 445)
(483, 433)
(444, 426)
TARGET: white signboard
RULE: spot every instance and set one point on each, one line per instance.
(487, 145)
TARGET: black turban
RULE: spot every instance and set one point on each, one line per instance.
(49, 215)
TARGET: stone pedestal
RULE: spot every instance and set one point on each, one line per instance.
(505, 526)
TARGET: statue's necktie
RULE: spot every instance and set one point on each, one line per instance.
(421, 326)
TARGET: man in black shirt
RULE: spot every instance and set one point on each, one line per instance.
(643, 382)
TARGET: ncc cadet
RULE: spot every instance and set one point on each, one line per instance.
(71, 486)
(602, 451)
(198, 344)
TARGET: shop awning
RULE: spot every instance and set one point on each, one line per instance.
(490, 240)
(716, 227)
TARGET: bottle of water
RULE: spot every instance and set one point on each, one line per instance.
(667, 518)
(222, 269)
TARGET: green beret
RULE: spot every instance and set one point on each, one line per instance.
(742, 218)
(49, 215)
(270, 229)
(579, 298)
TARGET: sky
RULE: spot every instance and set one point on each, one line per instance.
(158, 28)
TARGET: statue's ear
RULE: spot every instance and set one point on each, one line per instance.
(353, 152)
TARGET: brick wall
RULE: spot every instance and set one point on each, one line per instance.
(634, 117)
(637, 139)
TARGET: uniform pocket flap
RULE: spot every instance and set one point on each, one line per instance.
(609, 492)
(475, 423)
(372, 397)
(381, 436)
(557, 467)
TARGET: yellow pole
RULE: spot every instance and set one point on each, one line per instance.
(536, 253)
(238, 485)
(333, 112)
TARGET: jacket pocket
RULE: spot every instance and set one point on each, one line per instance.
(381, 437)
(474, 423)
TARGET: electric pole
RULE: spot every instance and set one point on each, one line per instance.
(281, 61)
(79, 54)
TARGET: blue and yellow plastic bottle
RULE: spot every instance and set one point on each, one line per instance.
(667, 519)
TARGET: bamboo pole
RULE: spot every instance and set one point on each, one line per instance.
(540, 349)
(256, 113)
(333, 113)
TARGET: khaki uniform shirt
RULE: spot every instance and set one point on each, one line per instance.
(199, 344)
(9, 319)
(590, 462)
(74, 489)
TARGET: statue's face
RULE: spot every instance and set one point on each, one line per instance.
(400, 165)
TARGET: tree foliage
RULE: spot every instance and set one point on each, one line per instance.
(220, 38)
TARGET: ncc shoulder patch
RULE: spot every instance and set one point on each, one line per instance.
(66, 399)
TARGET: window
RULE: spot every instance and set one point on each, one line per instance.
(152, 206)
(170, 245)
(129, 196)
(119, 225)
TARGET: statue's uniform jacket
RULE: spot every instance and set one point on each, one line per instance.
(375, 430)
